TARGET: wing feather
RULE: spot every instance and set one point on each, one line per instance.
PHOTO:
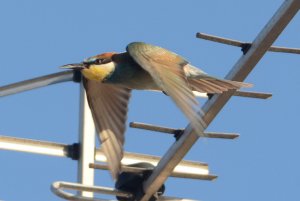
(166, 69)
(109, 106)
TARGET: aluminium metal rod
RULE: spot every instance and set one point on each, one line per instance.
(137, 170)
(183, 167)
(237, 43)
(156, 128)
(87, 142)
(211, 108)
(179, 131)
(57, 188)
(168, 198)
(33, 146)
(124, 168)
(227, 136)
(64, 150)
(250, 94)
(37, 82)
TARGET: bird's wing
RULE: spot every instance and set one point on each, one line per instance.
(109, 105)
(166, 69)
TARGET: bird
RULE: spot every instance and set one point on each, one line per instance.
(109, 78)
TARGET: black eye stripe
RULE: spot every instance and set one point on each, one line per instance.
(89, 62)
(103, 61)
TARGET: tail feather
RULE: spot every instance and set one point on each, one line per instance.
(234, 83)
(214, 85)
(203, 87)
(225, 84)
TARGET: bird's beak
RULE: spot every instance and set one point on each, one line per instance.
(78, 66)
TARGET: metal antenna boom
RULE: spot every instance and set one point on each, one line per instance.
(211, 108)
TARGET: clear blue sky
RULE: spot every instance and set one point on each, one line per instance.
(38, 36)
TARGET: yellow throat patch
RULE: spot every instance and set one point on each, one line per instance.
(98, 72)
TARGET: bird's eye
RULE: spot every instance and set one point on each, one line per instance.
(99, 61)
(93, 60)
(103, 61)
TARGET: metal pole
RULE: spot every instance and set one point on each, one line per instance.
(237, 43)
(211, 108)
(37, 82)
(180, 131)
(57, 188)
(65, 150)
(137, 170)
(33, 146)
(86, 143)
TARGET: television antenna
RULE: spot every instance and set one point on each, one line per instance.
(171, 164)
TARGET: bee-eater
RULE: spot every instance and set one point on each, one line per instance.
(109, 78)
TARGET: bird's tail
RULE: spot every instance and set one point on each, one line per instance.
(208, 84)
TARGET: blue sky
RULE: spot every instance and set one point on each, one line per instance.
(37, 37)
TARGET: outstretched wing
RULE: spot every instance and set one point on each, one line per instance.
(109, 106)
(166, 69)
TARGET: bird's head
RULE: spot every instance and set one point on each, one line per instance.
(97, 68)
